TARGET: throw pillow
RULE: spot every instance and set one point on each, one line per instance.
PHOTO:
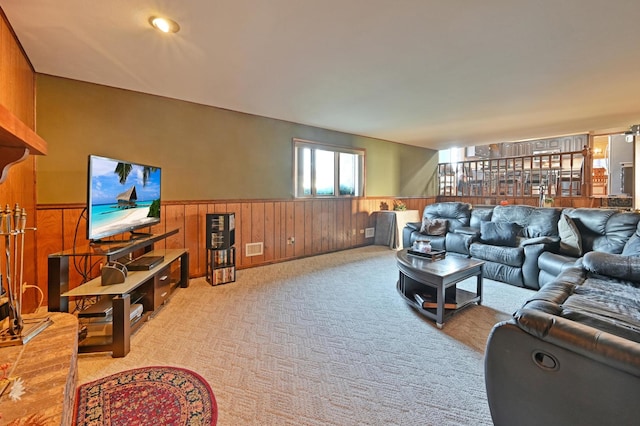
(570, 238)
(434, 226)
(500, 233)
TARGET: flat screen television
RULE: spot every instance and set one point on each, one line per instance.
(122, 196)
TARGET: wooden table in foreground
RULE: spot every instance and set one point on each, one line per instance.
(418, 275)
(47, 365)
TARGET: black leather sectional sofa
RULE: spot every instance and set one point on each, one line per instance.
(522, 245)
(571, 354)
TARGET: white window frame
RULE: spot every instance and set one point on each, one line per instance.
(298, 190)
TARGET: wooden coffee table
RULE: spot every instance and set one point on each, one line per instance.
(420, 275)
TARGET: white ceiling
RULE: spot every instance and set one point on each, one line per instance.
(433, 73)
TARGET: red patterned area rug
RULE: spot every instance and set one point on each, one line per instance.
(146, 396)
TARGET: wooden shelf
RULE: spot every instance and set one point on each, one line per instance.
(17, 141)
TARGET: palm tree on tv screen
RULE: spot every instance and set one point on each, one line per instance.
(124, 169)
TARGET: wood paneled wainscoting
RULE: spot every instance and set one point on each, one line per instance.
(289, 229)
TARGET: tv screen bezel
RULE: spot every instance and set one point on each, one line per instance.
(96, 237)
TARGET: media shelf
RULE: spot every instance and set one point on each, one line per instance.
(221, 266)
(221, 230)
(149, 289)
(221, 255)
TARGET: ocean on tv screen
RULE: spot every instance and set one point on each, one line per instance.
(119, 200)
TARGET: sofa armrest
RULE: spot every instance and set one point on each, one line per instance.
(409, 229)
(458, 242)
(612, 265)
(600, 346)
(550, 240)
(519, 365)
(414, 226)
(533, 248)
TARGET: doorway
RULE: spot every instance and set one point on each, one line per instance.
(613, 170)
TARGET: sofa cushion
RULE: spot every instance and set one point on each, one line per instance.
(480, 214)
(513, 256)
(604, 230)
(512, 213)
(434, 226)
(500, 233)
(535, 221)
(542, 222)
(570, 238)
(456, 213)
(503, 273)
(607, 305)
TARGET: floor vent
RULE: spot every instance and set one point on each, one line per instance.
(254, 249)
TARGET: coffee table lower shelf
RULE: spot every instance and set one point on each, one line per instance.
(463, 299)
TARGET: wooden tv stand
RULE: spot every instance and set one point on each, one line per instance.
(150, 288)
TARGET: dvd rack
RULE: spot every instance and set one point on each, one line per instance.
(221, 253)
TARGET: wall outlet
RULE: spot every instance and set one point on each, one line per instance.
(369, 232)
(291, 240)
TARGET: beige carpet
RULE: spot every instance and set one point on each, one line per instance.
(322, 341)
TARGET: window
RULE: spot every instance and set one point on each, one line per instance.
(327, 171)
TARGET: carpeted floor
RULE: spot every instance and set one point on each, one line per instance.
(324, 340)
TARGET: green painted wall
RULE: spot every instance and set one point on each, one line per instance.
(206, 153)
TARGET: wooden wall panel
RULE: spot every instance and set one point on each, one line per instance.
(307, 220)
(317, 226)
(257, 230)
(74, 235)
(346, 223)
(175, 219)
(50, 240)
(246, 232)
(17, 94)
(191, 237)
(269, 232)
(161, 227)
(201, 269)
(298, 210)
(331, 224)
(279, 230)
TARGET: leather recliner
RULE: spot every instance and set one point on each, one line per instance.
(457, 216)
(571, 354)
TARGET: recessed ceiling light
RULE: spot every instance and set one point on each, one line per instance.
(164, 24)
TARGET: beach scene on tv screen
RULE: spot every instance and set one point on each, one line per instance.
(123, 196)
